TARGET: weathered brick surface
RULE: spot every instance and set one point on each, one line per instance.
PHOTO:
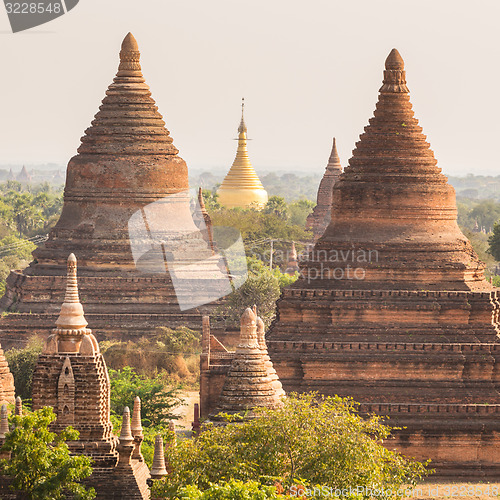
(125, 163)
(415, 333)
(71, 377)
(321, 216)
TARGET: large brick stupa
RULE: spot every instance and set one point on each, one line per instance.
(392, 308)
(127, 216)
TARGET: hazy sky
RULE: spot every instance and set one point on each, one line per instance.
(308, 70)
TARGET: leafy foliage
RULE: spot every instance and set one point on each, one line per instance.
(40, 464)
(232, 490)
(157, 402)
(494, 242)
(25, 212)
(262, 288)
(312, 439)
(22, 363)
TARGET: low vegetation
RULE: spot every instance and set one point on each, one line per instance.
(312, 440)
(40, 466)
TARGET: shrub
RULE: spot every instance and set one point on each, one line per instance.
(40, 464)
(22, 363)
(157, 402)
(311, 440)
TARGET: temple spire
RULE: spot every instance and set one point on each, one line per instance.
(129, 57)
(71, 316)
(321, 216)
(334, 160)
(394, 74)
(242, 187)
(4, 422)
(158, 470)
(242, 128)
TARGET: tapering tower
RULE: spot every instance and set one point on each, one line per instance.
(72, 377)
(242, 187)
(392, 307)
(251, 381)
(127, 216)
(320, 218)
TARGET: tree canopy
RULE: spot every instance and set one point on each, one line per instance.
(314, 440)
(40, 465)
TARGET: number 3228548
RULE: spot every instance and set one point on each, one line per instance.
(33, 8)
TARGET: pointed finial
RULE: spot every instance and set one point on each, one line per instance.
(261, 333)
(248, 331)
(4, 421)
(394, 75)
(129, 57)
(19, 407)
(136, 426)
(242, 127)
(158, 470)
(71, 316)
(334, 160)
(248, 317)
(126, 437)
(394, 61)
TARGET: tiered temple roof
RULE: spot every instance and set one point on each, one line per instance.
(251, 381)
(127, 216)
(392, 307)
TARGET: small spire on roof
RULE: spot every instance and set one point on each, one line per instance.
(394, 75)
(242, 127)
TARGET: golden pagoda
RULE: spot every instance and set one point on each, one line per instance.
(241, 186)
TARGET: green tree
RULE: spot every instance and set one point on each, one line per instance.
(157, 403)
(231, 490)
(299, 210)
(311, 440)
(262, 288)
(22, 363)
(277, 206)
(40, 465)
(211, 199)
(494, 242)
(487, 212)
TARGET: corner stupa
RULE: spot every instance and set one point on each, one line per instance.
(321, 216)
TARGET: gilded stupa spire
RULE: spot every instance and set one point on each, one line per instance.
(241, 186)
(242, 128)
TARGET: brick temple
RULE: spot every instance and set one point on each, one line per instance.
(127, 216)
(235, 382)
(393, 308)
(320, 217)
(71, 377)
